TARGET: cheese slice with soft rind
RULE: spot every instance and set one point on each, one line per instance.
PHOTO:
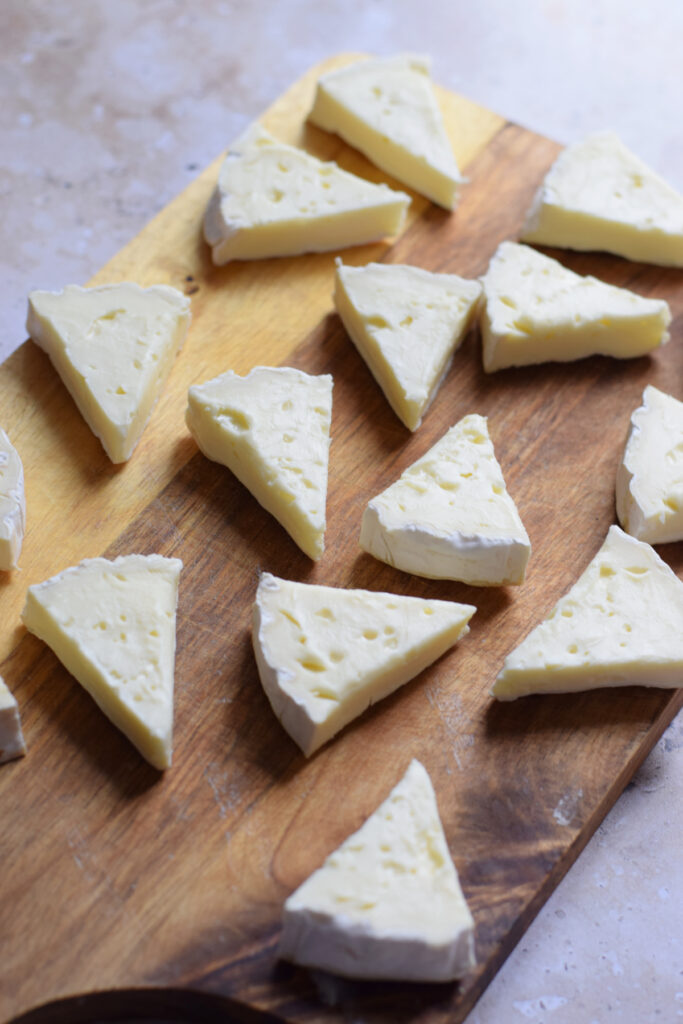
(11, 737)
(112, 625)
(536, 311)
(325, 654)
(272, 430)
(386, 108)
(406, 323)
(387, 904)
(599, 196)
(113, 346)
(620, 624)
(273, 199)
(12, 504)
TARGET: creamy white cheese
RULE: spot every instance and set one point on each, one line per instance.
(12, 504)
(387, 904)
(11, 737)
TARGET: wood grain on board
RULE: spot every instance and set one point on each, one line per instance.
(115, 876)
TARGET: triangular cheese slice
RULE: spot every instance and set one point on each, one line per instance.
(12, 504)
(112, 625)
(406, 323)
(537, 311)
(325, 654)
(386, 108)
(113, 346)
(650, 475)
(387, 904)
(272, 429)
(11, 738)
(449, 515)
(619, 624)
(276, 200)
(599, 195)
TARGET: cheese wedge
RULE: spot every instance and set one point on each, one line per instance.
(276, 200)
(449, 515)
(11, 737)
(619, 624)
(599, 195)
(112, 625)
(387, 904)
(537, 311)
(12, 504)
(406, 323)
(324, 654)
(272, 430)
(113, 346)
(387, 109)
(650, 474)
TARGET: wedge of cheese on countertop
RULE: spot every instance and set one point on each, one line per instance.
(650, 474)
(406, 323)
(12, 504)
(598, 195)
(272, 430)
(325, 654)
(620, 624)
(387, 109)
(537, 311)
(113, 346)
(387, 904)
(112, 625)
(449, 515)
(11, 737)
(276, 200)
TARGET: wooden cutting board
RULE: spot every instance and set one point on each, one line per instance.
(115, 876)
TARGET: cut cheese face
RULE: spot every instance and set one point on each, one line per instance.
(12, 504)
(406, 323)
(276, 200)
(537, 311)
(650, 475)
(112, 625)
(325, 654)
(619, 624)
(387, 904)
(11, 738)
(598, 195)
(386, 108)
(272, 430)
(449, 516)
(113, 346)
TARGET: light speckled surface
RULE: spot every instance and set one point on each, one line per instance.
(111, 108)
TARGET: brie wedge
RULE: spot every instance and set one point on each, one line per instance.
(406, 323)
(113, 346)
(599, 195)
(11, 738)
(272, 430)
(619, 624)
(449, 516)
(387, 109)
(325, 654)
(276, 200)
(387, 904)
(12, 504)
(650, 475)
(537, 311)
(112, 625)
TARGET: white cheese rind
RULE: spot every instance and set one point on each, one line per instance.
(387, 109)
(12, 504)
(600, 196)
(112, 625)
(649, 489)
(11, 737)
(114, 347)
(537, 311)
(276, 200)
(449, 515)
(620, 624)
(272, 430)
(387, 904)
(325, 654)
(406, 323)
